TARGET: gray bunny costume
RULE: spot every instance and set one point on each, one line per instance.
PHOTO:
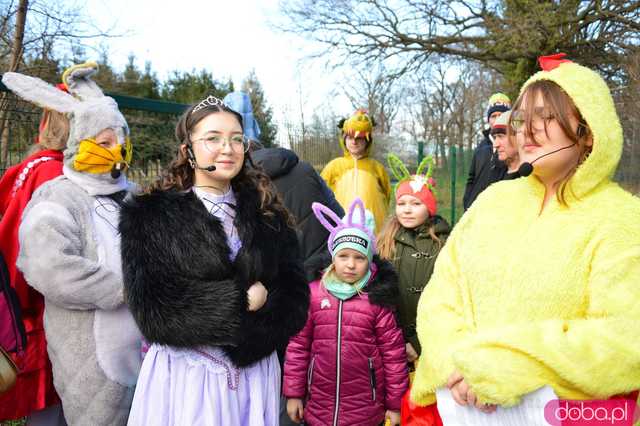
(70, 252)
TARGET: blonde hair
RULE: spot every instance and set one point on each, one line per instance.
(55, 132)
(386, 238)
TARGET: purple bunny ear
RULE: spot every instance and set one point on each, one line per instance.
(324, 213)
(357, 203)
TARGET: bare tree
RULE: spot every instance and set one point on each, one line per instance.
(448, 108)
(32, 34)
(505, 35)
(379, 93)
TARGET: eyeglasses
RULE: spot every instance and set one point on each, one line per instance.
(214, 143)
(540, 116)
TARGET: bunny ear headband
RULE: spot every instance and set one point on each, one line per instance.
(417, 181)
(354, 219)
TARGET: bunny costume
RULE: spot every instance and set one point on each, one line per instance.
(70, 252)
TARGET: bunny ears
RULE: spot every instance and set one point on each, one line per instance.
(401, 173)
(76, 79)
(421, 185)
(354, 222)
(88, 109)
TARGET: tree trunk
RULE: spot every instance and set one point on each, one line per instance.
(16, 58)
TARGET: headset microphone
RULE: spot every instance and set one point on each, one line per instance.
(526, 168)
(194, 163)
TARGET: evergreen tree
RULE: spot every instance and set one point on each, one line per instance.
(189, 87)
(133, 82)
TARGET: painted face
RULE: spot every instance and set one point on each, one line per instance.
(218, 140)
(350, 265)
(546, 136)
(356, 146)
(411, 212)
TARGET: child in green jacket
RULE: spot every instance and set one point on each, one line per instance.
(411, 239)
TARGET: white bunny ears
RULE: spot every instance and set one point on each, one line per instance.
(355, 218)
(40, 93)
(88, 109)
(78, 82)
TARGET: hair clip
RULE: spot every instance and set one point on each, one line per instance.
(209, 101)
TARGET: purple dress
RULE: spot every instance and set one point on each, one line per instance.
(201, 386)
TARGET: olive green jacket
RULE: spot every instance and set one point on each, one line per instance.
(415, 255)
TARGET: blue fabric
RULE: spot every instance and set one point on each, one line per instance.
(240, 102)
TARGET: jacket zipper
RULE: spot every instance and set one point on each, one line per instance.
(335, 413)
(372, 378)
(310, 375)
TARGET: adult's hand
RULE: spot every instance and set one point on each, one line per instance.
(463, 395)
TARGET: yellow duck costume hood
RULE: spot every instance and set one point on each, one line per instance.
(360, 124)
(562, 308)
(350, 178)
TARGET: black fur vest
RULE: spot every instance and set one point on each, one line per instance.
(183, 290)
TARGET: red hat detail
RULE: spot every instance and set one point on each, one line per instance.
(417, 187)
(549, 62)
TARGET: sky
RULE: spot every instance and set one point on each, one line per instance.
(227, 38)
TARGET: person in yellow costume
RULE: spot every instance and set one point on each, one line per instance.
(562, 310)
(356, 174)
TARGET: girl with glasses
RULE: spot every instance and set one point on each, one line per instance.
(561, 311)
(214, 278)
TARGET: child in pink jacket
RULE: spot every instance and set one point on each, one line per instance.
(348, 365)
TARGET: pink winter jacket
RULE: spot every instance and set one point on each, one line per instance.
(349, 360)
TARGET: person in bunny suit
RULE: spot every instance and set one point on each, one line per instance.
(70, 252)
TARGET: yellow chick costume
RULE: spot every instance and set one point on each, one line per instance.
(349, 177)
(563, 309)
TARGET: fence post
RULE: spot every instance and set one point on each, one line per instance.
(452, 163)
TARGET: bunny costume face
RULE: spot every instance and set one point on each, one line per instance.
(89, 112)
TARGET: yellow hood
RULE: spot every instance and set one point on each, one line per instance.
(593, 99)
(359, 124)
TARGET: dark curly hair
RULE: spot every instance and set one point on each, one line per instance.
(179, 175)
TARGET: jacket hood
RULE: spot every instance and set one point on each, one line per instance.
(440, 226)
(275, 161)
(592, 97)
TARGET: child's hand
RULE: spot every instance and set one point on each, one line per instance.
(412, 355)
(392, 418)
(295, 409)
(257, 296)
